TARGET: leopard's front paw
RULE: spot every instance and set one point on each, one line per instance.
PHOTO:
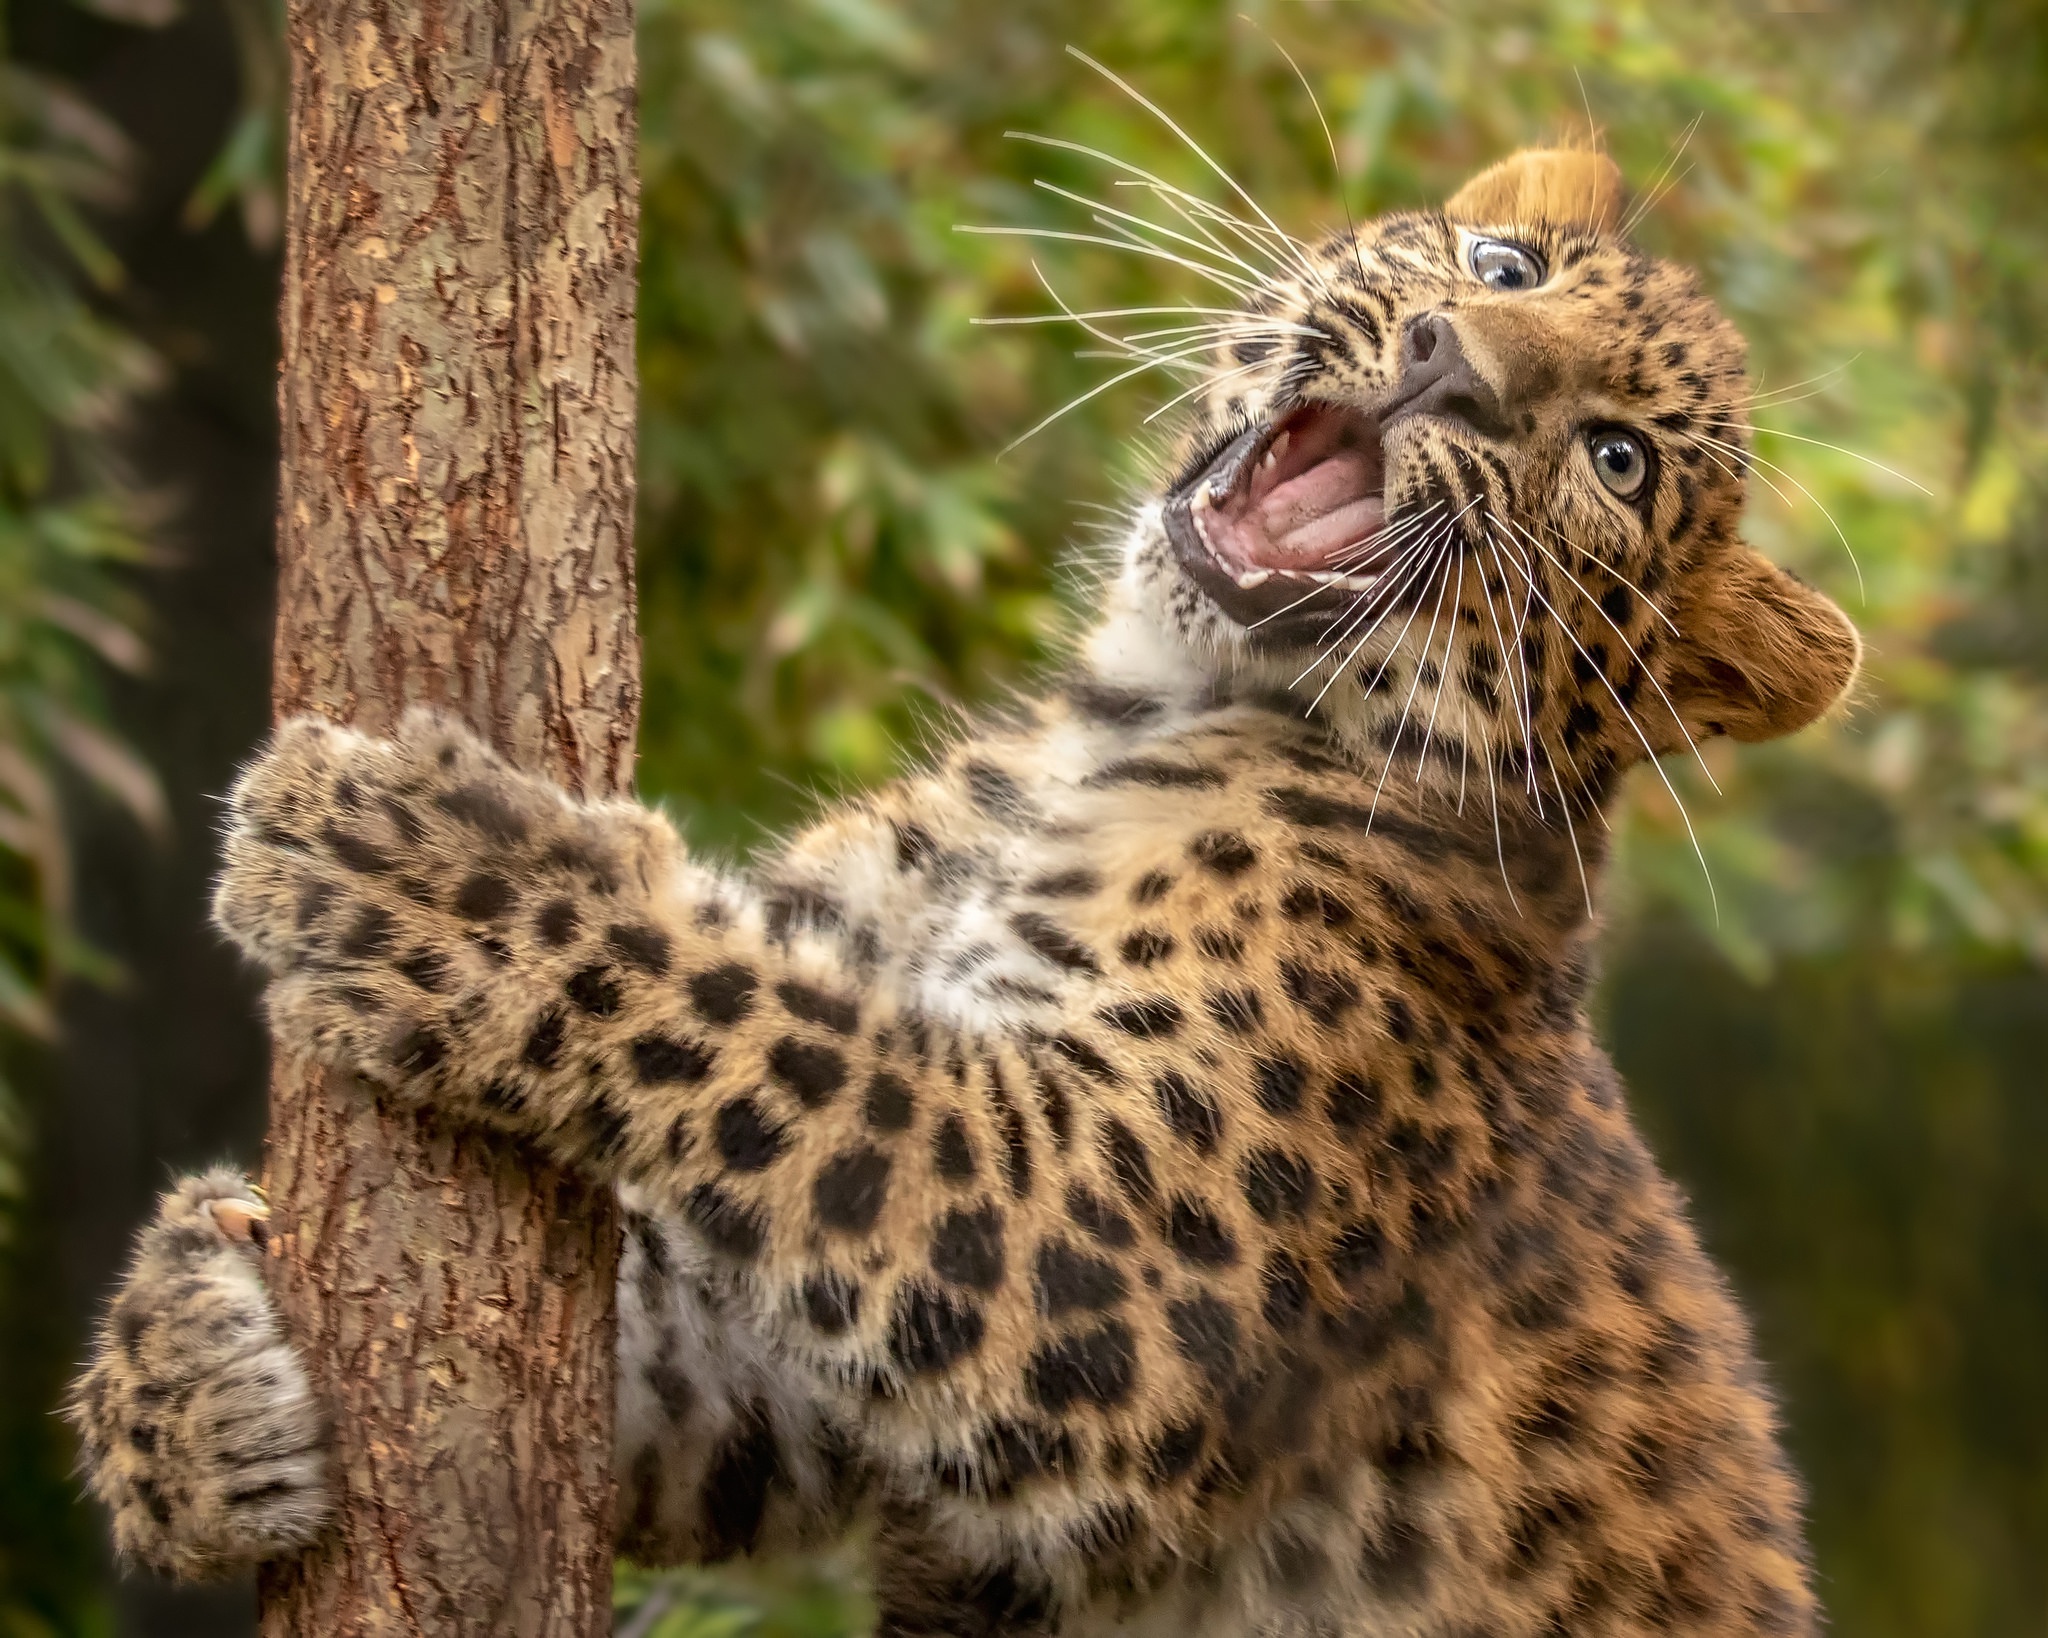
(390, 884)
(330, 830)
(198, 1427)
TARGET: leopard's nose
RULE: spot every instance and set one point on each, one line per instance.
(1439, 378)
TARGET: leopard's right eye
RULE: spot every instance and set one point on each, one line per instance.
(1500, 265)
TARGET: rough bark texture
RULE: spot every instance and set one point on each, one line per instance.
(455, 527)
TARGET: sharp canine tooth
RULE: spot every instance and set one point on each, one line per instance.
(1253, 577)
(1279, 447)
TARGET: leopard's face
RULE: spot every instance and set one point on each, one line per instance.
(1472, 479)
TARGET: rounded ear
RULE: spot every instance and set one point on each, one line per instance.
(1569, 187)
(1759, 654)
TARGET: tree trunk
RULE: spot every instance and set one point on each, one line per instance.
(455, 527)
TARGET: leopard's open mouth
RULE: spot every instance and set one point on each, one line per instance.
(1282, 527)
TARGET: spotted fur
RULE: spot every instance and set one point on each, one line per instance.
(200, 1432)
(1153, 1166)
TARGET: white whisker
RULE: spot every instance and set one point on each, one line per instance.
(1102, 387)
(1307, 266)
(1370, 546)
(1755, 460)
(1380, 543)
(1622, 636)
(1389, 582)
(1612, 573)
(1196, 212)
(1775, 400)
(1651, 195)
(1250, 232)
(1330, 142)
(1527, 718)
(1438, 542)
(1759, 396)
(1192, 361)
(1211, 380)
(1518, 655)
(1384, 598)
(1108, 216)
(1367, 546)
(1068, 314)
(1399, 574)
(1507, 658)
(1571, 830)
(1448, 531)
(1129, 234)
(1428, 643)
(1214, 275)
(1190, 342)
(1650, 750)
(1443, 674)
(1100, 313)
(1500, 851)
(1822, 443)
(1220, 330)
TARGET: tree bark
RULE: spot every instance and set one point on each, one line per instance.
(455, 527)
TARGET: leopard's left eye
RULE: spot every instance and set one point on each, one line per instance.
(1621, 461)
(1502, 266)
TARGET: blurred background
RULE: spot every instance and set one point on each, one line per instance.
(1843, 1062)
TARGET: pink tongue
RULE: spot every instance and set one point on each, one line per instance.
(1313, 515)
(1319, 519)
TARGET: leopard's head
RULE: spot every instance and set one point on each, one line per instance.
(1474, 478)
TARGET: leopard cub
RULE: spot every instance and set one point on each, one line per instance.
(1152, 1169)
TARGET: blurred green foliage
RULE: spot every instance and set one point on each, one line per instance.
(1838, 1046)
(804, 1599)
(67, 525)
(1864, 1138)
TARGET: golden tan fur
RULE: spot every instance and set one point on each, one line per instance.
(1154, 1166)
(1570, 186)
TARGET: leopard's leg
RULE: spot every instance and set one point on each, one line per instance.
(198, 1427)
